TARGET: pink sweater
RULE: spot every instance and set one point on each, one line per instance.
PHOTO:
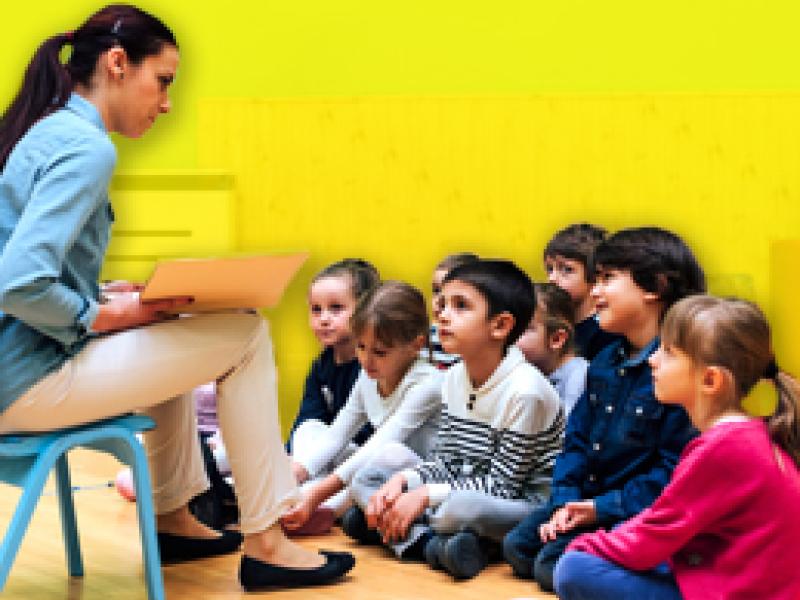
(728, 521)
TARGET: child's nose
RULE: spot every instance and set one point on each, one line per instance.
(552, 276)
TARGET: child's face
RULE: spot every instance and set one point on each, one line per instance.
(464, 324)
(382, 362)
(621, 305)
(436, 291)
(330, 306)
(568, 274)
(535, 344)
(675, 377)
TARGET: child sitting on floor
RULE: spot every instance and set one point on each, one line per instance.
(500, 431)
(397, 392)
(727, 522)
(547, 343)
(620, 445)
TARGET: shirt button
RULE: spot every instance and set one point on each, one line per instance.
(592, 477)
(593, 397)
(610, 408)
(639, 410)
(596, 447)
(621, 372)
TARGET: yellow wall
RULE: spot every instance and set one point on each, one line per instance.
(401, 132)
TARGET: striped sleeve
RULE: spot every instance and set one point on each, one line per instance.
(504, 463)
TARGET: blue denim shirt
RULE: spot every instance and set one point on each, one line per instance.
(55, 219)
(621, 444)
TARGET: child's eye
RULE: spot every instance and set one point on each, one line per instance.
(337, 307)
(380, 353)
(165, 81)
(548, 269)
(567, 269)
(316, 309)
(361, 347)
(436, 289)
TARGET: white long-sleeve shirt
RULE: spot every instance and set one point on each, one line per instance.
(409, 414)
(500, 439)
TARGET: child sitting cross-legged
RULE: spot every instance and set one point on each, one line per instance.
(727, 522)
(500, 430)
(397, 393)
(547, 343)
(620, 445)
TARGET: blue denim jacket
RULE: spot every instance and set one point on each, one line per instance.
(621, 444)
(55, 220)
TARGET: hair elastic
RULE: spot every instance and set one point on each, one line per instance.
(70, 35)
(115, 29)
(772, 370)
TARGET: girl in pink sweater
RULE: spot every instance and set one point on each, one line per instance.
(728, 523)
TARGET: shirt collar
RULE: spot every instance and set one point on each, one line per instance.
(83, 108)
(512, 358)
(638, 359)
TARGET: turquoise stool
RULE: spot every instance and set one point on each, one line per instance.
(27, 459)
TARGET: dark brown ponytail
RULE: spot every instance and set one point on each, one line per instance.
(48, 82)
(784, 423)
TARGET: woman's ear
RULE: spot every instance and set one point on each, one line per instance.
(115, 63)
(501, 325)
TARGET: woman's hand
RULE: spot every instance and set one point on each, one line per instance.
(126, 310)
(384, 498)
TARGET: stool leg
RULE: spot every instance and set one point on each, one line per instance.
(69, 526)
(31, 491)
(147, 522)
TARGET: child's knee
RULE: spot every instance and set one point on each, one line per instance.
(569, 576)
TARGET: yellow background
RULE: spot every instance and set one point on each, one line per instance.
(403, 132)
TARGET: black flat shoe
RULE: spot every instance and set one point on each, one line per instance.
(255, 574)
(178, 548)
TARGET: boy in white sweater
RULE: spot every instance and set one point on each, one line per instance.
(500, 430)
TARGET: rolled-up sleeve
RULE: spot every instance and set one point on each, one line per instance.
(69, 188)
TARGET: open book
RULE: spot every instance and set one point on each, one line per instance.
(219, 283)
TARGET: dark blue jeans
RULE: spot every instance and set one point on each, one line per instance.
(529, 556)
(581, 576)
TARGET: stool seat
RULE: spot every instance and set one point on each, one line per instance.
(26, 461)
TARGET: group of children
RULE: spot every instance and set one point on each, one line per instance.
(589, 428)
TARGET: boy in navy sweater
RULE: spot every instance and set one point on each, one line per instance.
(621, 445)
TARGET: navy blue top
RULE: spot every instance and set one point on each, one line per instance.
(621, 444)
(590, 339)
(55, 219)
(327, 388)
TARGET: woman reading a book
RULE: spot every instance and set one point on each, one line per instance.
(66, 358)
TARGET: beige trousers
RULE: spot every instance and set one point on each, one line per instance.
(153, 369)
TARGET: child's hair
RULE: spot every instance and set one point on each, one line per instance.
(577, 242)
(396, 311)
(448, 263)
(558, 312)
(363, 275)
(735, 335)
(48, 82)
(658, 260)
(505, 287)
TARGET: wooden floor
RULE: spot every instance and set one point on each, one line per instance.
(112, 558)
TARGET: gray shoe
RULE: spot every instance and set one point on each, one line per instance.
(433, 552)
(462, 555)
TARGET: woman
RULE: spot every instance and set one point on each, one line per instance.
(66, 358)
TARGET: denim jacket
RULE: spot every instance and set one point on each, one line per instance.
(621, 444)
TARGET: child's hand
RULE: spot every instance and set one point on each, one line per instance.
(385, 497)
(581, 514)
(299, 515)
(549, 531)
(402, 513)
(301, 474)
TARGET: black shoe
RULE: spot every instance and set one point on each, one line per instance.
(354, 524)
(433, 549)
(463, 556)
(255, 574)
(416, 551)
(178, 548)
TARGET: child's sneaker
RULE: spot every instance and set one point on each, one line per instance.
(354, 524)
(462, 555)
(433, 550)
